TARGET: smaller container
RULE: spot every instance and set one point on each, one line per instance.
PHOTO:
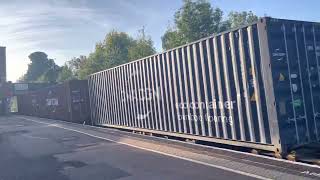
(67, 101)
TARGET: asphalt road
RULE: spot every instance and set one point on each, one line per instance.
(33, 151)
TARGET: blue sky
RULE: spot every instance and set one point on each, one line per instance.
(68, 28)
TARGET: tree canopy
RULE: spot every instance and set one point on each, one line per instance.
(117, 48)
(41, 69)
(141, 47)
(199, 19)
(65, 74)
(237, 19)
(194, 20)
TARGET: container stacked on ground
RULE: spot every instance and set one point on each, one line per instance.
(68, 101)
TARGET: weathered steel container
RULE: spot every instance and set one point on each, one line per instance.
(68, 101)
(256, 86)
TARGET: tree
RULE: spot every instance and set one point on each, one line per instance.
(172, 38)
(109, 53)
(38, 65)
(51, 74)
(117, 48)
(96, 62)
(193, 21)
(41, 69)
(141, 47)
(65, 74)
(237, 19)
(198, 19)
(76, 63)
(74, 66)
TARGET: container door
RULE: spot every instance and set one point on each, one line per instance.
(295, 71)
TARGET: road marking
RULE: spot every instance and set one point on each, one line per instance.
(34, 137)
(155, 151)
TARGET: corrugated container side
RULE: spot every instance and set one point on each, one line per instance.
(67, 101)
(212, 90)
(257, 86)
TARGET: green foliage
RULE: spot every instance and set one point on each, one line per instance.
(198, 19)
(51, 74)
(111, 52)
(38, 66)
(172, 38)
(75, 64)
(117, 48)
(193, 21)
(94, 63)
(141, 47)
(75, 67)
(65, 74)
(237, 19)
(41, 69)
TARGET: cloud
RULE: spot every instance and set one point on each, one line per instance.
(64, 29)
(39, 27)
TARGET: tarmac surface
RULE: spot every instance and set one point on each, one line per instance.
(37, 149)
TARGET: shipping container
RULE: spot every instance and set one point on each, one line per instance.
(256, 86)
(68, 101)
(21, 88)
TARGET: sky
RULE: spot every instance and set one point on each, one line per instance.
(68, 28)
